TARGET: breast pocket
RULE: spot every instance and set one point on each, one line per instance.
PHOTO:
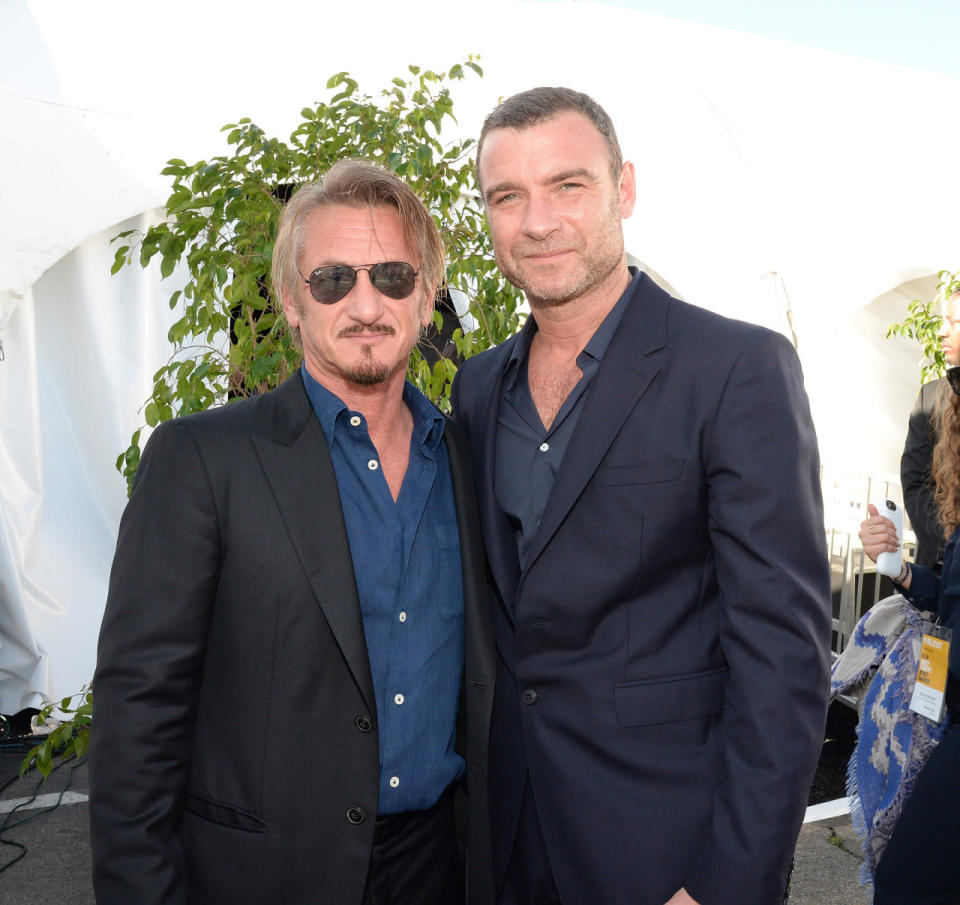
(654, 471)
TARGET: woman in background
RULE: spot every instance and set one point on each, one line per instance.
(921, 863)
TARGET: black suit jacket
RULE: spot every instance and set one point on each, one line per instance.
(915, 471)
(232, 756)
(663, 659)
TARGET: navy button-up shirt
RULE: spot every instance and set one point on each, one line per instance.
(406, 559)
(528, 454)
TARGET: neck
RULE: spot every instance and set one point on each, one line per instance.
(381, 404)
(566, 328)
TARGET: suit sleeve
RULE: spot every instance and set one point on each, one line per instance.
(916, 479)
(149, 662)
(766, 528)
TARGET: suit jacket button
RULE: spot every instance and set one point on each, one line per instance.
(529, 696)
(356, 815)
(363, 724)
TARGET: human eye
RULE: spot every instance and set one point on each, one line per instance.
(568, 189)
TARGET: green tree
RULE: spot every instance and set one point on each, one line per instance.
(922, 324)
(231, 339)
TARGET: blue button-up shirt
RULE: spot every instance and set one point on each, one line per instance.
(406, 559)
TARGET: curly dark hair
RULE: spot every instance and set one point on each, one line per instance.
(946, 465)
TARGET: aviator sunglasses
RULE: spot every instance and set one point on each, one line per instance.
(395, 279)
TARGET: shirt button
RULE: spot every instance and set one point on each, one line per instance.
(402, 617)
(363, 723)
(394, 781)
(544, 447)
(356, 420)
(356, 816)
(373, 465)
(529, 696)
(398, 699)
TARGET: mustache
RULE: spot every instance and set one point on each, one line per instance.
(372, 330)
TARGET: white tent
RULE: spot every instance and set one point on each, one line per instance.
(767, 173)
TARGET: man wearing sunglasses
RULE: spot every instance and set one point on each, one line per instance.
(296, 658)
(648, 482)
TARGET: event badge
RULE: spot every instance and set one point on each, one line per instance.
(930, 691)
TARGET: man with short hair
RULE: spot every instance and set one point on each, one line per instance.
(923, 427)
(282, 656)
(649, 490)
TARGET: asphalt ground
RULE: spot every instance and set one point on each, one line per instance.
(45, 841)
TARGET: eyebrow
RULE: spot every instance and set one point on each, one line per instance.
(563, 176)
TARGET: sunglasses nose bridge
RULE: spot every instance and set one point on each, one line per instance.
(365, 301)
(367, 271)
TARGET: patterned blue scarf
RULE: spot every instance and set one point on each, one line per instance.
(879, 666)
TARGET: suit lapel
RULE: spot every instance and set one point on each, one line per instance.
(498, 535)
(296, 461)
(628, 367)
(478, 627)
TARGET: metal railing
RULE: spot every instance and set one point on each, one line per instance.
(855, 583)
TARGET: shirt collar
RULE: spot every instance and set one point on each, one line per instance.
(598, 343)
(603, 335)
(427, 420)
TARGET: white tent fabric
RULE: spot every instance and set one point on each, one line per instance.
(766, 173)
(80, 351)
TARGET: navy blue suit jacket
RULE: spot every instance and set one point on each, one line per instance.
(663, 660)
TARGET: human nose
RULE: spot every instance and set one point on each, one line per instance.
(944, 328)
(540, 217)
(365, 301)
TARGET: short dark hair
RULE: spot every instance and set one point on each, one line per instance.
(538, 104)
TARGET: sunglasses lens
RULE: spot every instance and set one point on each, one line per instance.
(330, 284)
(394, 279)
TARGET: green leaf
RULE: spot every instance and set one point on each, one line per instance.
(119, 259)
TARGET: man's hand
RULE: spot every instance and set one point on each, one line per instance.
(681, 897)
